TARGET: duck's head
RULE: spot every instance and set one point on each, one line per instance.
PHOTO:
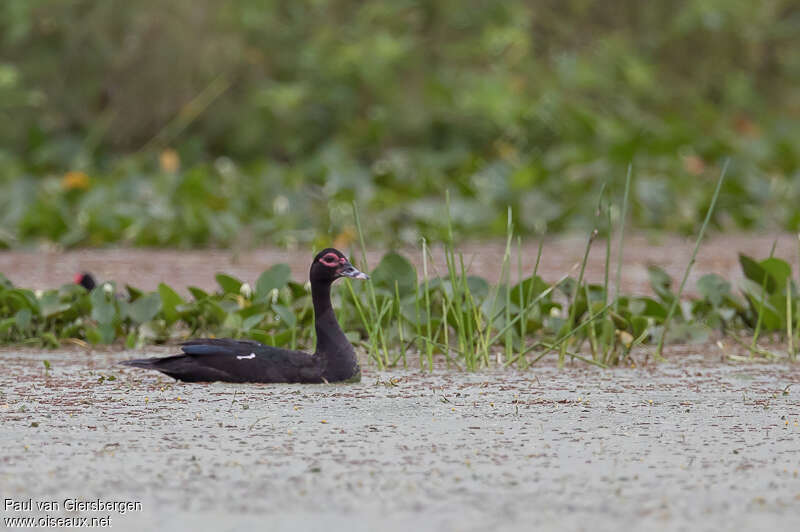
(86, 280)
(330, 264)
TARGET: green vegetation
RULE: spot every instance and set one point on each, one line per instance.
(196, 122)
(459, 317)
(453, 315)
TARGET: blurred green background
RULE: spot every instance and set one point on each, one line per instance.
(197, 122)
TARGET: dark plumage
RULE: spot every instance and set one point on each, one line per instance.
(212, 359)
(86, 280)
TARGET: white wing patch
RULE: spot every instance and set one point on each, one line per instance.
(248, 357)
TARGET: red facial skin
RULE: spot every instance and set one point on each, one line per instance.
(332, 259)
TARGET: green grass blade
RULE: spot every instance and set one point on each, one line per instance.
(676, 302)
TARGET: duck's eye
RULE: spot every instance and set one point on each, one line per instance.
(330, 260)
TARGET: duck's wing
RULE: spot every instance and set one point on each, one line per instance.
(223, 359)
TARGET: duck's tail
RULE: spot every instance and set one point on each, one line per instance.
(146, 363)
(180, 367)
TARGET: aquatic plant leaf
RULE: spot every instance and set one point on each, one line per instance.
(297, 289)
(688, 333)
(133, 292)
(392, 268)
(104, 309)
(755, 272)
(647, 306)
(22, 319)
(232, 322)
(478, 287)
(170, 301)
(771, 307)
(779, 270)
(251, 321)
(619, 321)
(275, 278)
(50, 304)
(212, 311)
(7, 323)
(197, 293)
(661, 283)
(531, 288)
(93, 335)
(144, 309)
(228, 283)
(286, 315)
(639, 324)
(713, 288)
(276, 340)
(260, 335)
(103, 334)
(19, 298)
(49, 341)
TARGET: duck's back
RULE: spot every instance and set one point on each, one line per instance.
(223, 359)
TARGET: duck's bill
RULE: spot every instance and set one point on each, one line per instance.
(348, 270)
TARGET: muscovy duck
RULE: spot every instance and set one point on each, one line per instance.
(224, 359)
(86, 280)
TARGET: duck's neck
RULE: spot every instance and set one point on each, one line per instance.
(332, 345)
